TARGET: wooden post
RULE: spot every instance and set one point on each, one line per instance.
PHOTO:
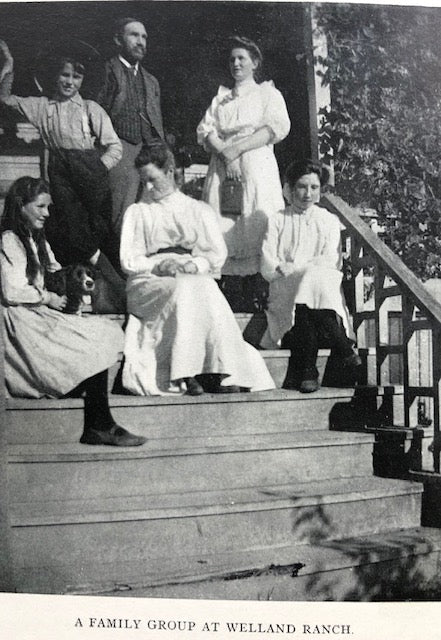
(358, 277)
(436, 381)
(313, 144)
(409, 356)
(381, 328)
(6, 567)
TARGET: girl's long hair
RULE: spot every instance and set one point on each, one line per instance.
(23, 191)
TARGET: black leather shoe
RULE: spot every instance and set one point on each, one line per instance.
(116, 436)
(309, 386)
(352, 362)
(352, 368)
(232, 388)
(193, 387)
(211, 383)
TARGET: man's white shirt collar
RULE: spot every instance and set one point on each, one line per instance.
(128, 65)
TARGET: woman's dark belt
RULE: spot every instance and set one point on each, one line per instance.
(179, 250)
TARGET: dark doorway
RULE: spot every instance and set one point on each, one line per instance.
(186, 52)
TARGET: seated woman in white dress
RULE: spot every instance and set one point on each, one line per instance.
(301, 259)
(239, 130)
(49, 353)
(181, 328)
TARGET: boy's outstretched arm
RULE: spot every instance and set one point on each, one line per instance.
(8, 60)
(27, 107)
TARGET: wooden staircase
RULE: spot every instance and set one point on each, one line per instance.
(233, 496)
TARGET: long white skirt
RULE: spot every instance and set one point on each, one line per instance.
(262, 197)
(180, 327)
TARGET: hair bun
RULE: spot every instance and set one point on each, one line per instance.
(241, 42)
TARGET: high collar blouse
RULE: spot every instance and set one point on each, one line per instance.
(235, 113)
(299, 239)
(174, 221)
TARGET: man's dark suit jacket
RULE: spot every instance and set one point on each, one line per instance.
(114, 92)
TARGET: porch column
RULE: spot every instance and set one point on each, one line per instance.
(308, 40)
(319, 94)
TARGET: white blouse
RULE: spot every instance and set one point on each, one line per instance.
(235, 113)
(16, 289)
(301, 239)
(176, 220)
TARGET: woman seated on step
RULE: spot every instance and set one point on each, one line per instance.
(301, 259)
(181, 331)
(49, 353)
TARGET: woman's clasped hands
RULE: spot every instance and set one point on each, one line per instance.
(170, 267)
(231, 158)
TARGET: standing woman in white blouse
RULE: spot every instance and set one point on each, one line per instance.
(301, 259)
(239, 129)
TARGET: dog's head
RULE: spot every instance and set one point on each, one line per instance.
(74, 281)
(80, 280)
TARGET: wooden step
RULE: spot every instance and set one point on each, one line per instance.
(276, 360)
(111, 534)
(163, 465)
(390, 566)
(243, 319)
(54, 421)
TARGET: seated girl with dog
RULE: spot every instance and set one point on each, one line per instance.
(181, 330)
(83, 146)
(301, 259)
(49, 353)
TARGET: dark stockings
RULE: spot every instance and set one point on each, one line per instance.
(99, 426)
(96, 403)
(313, 328)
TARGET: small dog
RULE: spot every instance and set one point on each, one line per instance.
(74, 281)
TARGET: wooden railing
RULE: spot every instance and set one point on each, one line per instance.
(420, 313)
